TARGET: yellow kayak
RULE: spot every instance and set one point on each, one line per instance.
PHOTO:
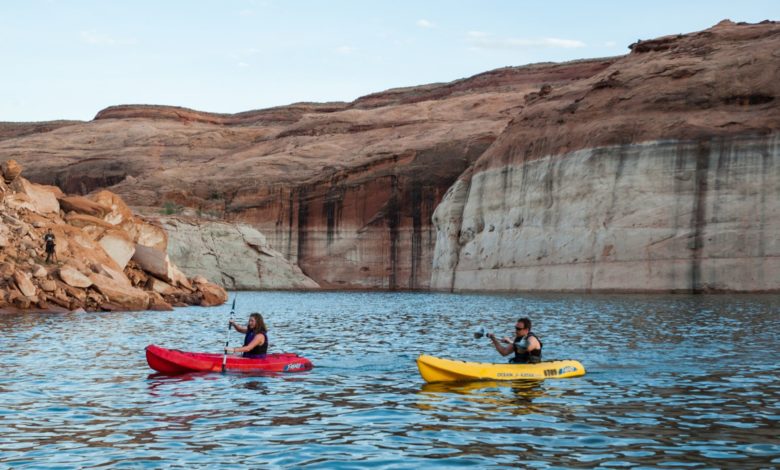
(435, 369)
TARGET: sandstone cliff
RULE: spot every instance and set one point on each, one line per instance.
(656, 170)
(659, 173)
(344, 190)
(235, 256)
(106, 258)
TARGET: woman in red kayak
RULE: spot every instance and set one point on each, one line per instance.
(256, 339)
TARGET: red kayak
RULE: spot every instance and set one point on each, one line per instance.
(173, 361)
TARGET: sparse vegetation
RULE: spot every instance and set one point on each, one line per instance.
(170, 208)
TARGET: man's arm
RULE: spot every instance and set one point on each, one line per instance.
(505, 349)
(533, 344)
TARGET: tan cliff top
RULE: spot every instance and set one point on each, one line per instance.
(717, 82)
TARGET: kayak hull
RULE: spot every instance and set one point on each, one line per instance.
(435, 369)
(173, 361)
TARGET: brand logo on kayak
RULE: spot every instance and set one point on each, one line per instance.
(294, 366)
(567, 369)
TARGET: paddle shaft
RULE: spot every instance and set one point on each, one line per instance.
(481, 332)
(227, 337)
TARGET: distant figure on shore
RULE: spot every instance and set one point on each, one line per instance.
(526, 346)
(256, 339)
(48, 239)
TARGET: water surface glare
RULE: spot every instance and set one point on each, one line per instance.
(673, 381)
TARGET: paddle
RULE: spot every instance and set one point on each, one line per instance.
(227, 339)
(481, 332)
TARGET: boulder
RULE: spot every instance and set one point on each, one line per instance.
(65, 303)
(48, 285)
(39, 271)
(128, 297)
(67, 290)
(18, 300)
(42, 197)
(19, 202)
(24, 284)
(7, 270)
(116, 275)
(152, 235)
(157, 263)
(73, 277)
(83, 220)
(118, 246)
(178, 277)
(157, 302)
(117, 211)
(11, 169)
(152, 260)
(161, 287)
(212, 294)
(82, 205)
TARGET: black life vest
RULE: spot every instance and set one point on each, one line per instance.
(522, 356)
(258, 351)
(49, 239)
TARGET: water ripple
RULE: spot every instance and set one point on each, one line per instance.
(673, 381)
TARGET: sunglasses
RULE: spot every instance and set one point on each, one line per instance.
(519, 328)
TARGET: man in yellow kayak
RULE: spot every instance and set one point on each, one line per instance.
(526, 346)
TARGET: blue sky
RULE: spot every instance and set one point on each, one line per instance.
(70, 59)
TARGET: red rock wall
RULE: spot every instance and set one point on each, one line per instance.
(368, 228)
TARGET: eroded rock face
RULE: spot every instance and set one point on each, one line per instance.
(660, 216)
(344, 190)
(236, 256)
(660, 173)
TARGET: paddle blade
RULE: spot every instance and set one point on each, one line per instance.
(479, 333)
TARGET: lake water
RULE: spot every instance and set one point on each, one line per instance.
(672, 381)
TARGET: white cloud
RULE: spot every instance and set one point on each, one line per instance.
(345, 50)
(610, 44)
(243, 64)
(423, 23)
(480, 40)
(99, 39)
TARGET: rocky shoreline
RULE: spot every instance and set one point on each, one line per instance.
(105, 258)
